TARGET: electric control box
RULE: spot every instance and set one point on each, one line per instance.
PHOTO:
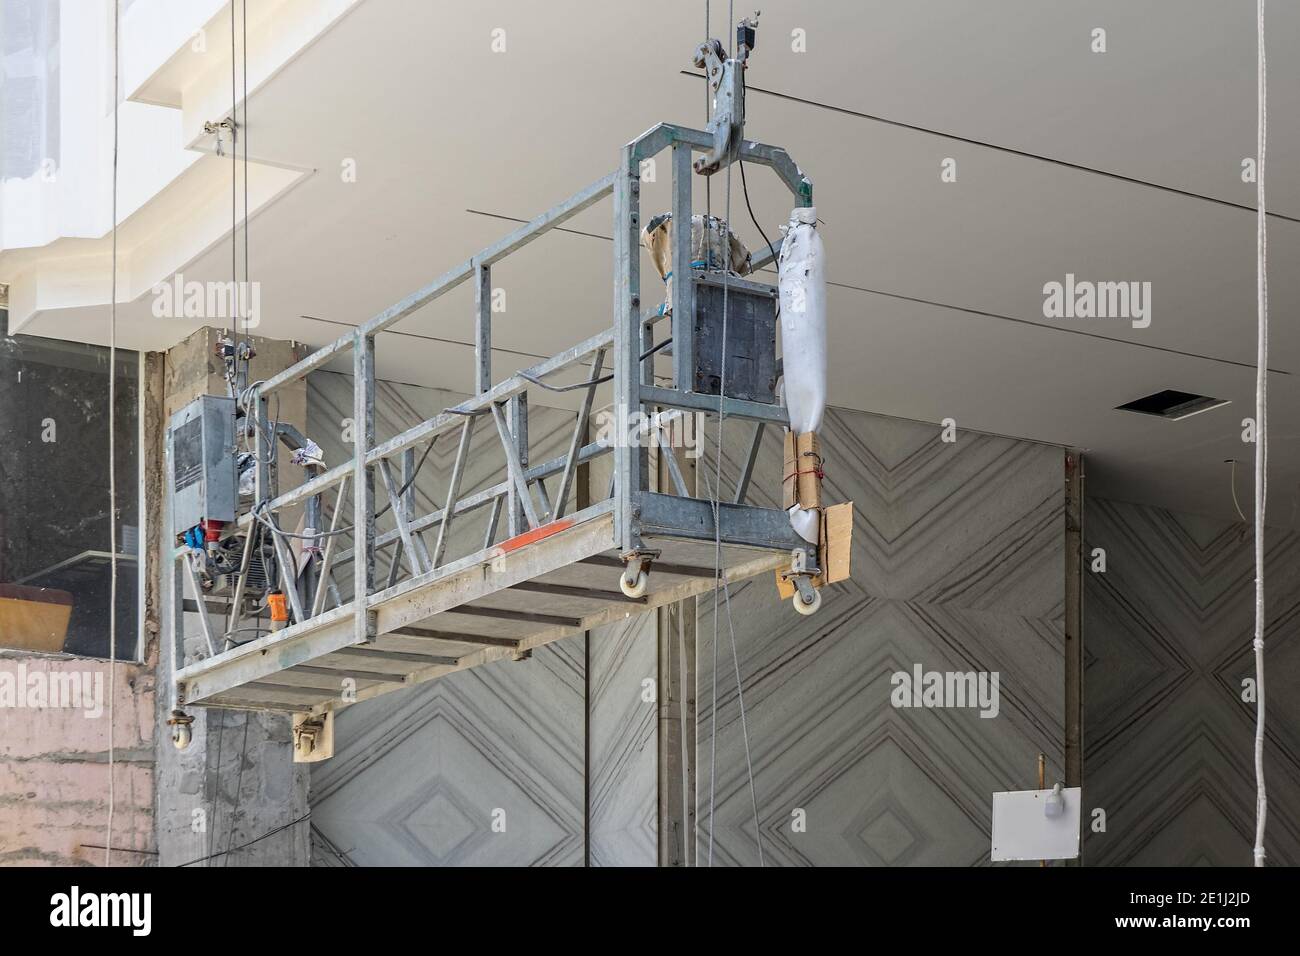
(751, 337)
(201, 449)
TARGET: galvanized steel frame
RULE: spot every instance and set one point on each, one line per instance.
(637, 514)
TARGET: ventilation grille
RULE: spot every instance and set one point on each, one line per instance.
(1172, 404)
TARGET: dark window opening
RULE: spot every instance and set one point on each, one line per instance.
(55, 558)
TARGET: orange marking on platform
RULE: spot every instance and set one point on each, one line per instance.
(537, 534)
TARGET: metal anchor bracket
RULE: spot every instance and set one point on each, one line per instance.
(803, 568)
(726, 76)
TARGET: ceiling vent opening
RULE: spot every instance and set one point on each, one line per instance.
(1172, 404)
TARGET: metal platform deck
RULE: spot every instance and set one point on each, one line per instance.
(555, 581)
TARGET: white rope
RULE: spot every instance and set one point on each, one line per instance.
(242, 312)
(713, 704)
(740, 693)
(112, 462)
(1261, 428)
(244, 138)
(717, 523)
(717, 528)
(719, 579)
(708, 113)
(235, 137)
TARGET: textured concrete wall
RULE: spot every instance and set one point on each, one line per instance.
(624, 727)
(958, 565)
(54, 770)
(236, 782)
(624, 732)
(1168, 739)
(418, 775)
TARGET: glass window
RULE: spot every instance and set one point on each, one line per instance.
(29, 87)
(55, 567)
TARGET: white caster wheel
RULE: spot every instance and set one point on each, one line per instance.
(638, 588)
(807, 608)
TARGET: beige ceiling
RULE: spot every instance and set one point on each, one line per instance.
(439, 125)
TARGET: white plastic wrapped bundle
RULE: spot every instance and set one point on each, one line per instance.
(802, 283)
(806, 522)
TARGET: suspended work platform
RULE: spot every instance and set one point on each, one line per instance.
(535, 573)
(557, 581)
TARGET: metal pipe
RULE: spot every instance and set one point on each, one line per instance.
(241, 578)
(325, 579)
(701, 402)
(747, 473)
(443, 422)
(579, 435)
(363, 487)
(458, 471)
(482, 328)
(409, 469)
(288, 570)
(683, 292)
(491, 495)
(525, 234)
(198, 598)
(630, 468)
(399, 515)
(493, 520)
(515, 468)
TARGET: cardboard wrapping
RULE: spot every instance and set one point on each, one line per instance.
(789, 476)
(802, 489)
(809, 466)
(834, 552)
(708, 248)
(801, 468)
(837, 542)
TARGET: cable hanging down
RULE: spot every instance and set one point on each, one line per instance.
(1261, 426)
(720, 584)
(112, 457)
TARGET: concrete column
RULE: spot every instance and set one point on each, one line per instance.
(234, 797)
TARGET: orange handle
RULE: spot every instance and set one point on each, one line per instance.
(279, 607)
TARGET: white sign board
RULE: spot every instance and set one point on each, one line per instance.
(1029, 826)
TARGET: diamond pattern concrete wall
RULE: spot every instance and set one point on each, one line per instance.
(958, 564)
(624, 794)
(1168, 740)
(419, 777)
